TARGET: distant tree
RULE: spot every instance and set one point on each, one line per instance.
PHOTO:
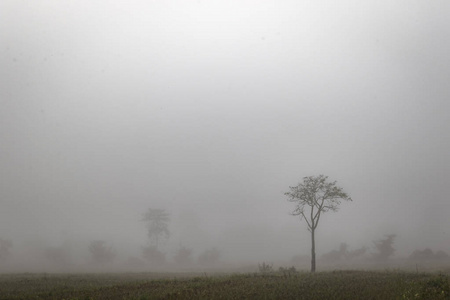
(384, 247)
(158, 225)
(5, 246)
(314, 197)
(209, 257)
(183, 256)
(101, 253)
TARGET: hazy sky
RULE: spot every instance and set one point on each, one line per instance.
(212, 109)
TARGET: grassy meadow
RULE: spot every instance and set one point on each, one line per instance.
(276, 285)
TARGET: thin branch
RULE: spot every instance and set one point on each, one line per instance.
(307, 222)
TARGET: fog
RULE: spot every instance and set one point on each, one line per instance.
(210, 110)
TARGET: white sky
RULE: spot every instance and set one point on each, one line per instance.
(211, 109)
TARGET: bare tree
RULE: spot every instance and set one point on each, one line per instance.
(158, 225)
(313, 197)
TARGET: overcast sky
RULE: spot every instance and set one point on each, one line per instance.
(212, 109)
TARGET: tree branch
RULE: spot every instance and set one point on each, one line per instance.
(307, 222)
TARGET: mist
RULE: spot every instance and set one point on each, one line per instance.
(210, 110)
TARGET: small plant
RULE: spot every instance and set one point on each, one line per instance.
(265, 268)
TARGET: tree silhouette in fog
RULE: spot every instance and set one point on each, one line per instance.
(157, 231)
(314, 197)
(384, 247)
(157, 225)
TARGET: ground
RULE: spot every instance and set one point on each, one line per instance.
(278, 285)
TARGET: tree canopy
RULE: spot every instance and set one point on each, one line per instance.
(314, 196)
(157, 225)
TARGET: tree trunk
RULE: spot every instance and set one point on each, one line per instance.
(313, 252)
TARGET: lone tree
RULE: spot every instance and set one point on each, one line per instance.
(313, 197)
(157, 224)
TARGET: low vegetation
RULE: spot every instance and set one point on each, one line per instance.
(276, 285)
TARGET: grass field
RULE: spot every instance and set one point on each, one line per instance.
(322, 285)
